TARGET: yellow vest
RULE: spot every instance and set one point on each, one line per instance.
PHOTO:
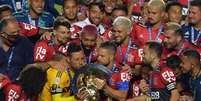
(59, 80)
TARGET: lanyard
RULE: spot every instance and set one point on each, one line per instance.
(10, 57)
(30, 21)
(150, 83)
(114, 69)
(158, 34)
(14, 5)
(193, 39)
(90, 55)
(69, 74)
(180, 50)
(126, 54)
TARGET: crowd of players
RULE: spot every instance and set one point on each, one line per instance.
(151, 47)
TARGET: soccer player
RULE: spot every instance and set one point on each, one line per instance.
(174, 42)
(27, 87)
(192, 30)
(174, 12)
(154, 25)
(95, 17)
(127, 52)
(191, 64)
(117, 86)
(45, 49)
(36, 15)
(162, 79)
(70, 10)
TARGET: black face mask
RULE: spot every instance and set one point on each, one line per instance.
(11, 38)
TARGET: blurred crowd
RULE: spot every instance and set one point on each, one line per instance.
(100, 50)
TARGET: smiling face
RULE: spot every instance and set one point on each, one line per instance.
(89, 41)
(109, 5)
(70, 9)
(95, 14)
(120, 33)
(170, 40)
(62, 34)
(194, 15)
(37, 6)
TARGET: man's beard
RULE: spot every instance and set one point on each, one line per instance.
(72, 19)
(120, 42)
(172, 48)
(192, 24)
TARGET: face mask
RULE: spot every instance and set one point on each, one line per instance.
(10, 38)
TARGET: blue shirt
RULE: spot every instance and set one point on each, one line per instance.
(22, 54)
(191, 34)
(17, 5)
(196, 88)
(45, 20)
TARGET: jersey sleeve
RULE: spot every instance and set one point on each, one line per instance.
(121, 81)
(168, 78)
(75, 32)
(40, 52)
(12, 92)
(4, 83)
(138, 56)
(27, 29)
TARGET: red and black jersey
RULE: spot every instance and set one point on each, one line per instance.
(12, 92)
(134, 87)
(28, 30)
(142, 33)
(75, 32)
(120, 80)
(107, 35)
(128, 54)
(136, 6)
(162, 81)
(185, 45)
(44, 50)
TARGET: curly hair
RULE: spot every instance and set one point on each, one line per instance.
(32, 80)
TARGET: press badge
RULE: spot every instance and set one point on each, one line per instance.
(18, 5)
